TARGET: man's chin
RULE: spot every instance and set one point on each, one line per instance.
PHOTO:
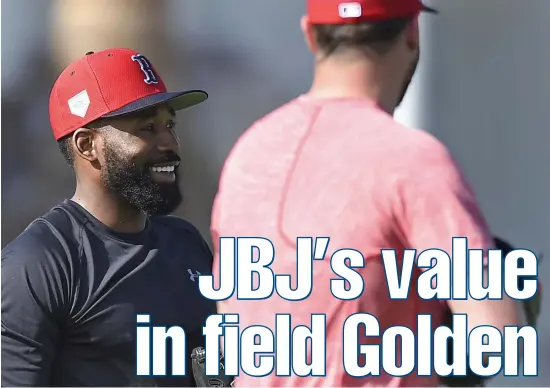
(158, 199)
(161, 209)
(171, 200)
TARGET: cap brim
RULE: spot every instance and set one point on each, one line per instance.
(429, 9)
(176, 100)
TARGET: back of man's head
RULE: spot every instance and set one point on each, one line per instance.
(340, 25)
(379, 38)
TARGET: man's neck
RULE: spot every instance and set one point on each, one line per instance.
(335, 78)
(110, 211)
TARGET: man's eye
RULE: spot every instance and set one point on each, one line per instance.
(148, 128)
(171, 125)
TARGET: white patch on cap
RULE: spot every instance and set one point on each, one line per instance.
(350, 10)
(79, 104)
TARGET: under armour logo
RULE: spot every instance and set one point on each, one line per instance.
(147, 68)
(193, 276)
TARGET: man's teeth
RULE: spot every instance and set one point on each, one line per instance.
(163, 169)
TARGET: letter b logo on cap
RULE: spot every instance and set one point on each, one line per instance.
(147, 68)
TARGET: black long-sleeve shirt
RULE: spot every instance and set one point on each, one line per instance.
(71, 290)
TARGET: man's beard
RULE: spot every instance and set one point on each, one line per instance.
(408, 80)
(134, 184)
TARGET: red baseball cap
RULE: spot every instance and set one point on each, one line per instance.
(344, 12)
(110, 83)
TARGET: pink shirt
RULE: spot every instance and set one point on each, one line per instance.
(345, 169)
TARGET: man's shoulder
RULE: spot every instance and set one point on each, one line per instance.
(288, 109)
(40, 266)
(269, 129)
(173, 223)
(178, 229)
(426, 161)
(424, 148)
(53, 234)
(288, 113)
(411, 144)
(422, 140)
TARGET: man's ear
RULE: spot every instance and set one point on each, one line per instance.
(85, 144)
(309, 34)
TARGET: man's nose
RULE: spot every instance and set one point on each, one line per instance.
(167, 141)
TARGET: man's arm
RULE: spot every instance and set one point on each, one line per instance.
(435, 204)
(32, 296)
